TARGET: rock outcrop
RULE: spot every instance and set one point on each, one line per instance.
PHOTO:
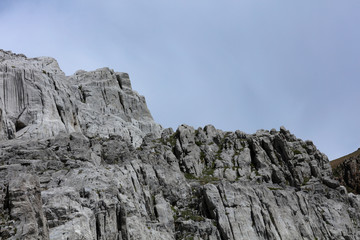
(347, 170)
(37, 100)
(81, 158)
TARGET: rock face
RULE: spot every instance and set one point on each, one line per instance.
(347, 170)
(81, 158)
(37, 100)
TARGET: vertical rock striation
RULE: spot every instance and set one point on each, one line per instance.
(39, 101)
(82, 158)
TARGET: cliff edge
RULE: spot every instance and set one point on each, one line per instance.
(38, 101)
(82, 158)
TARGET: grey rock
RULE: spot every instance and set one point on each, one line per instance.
(331, 183)
(82, 158)
(39, 101)
(24, 208)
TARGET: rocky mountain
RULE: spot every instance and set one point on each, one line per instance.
(347, 170)
(82, 158)
(39, 101)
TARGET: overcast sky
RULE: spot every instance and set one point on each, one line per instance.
(235, 64)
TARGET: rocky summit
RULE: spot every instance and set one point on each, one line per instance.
(82, 158)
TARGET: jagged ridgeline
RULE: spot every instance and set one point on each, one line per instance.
(82, 158)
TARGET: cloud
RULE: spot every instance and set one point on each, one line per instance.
(236, 64)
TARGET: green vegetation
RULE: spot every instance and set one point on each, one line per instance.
(306, 180)
(218, 155)
(190, 215)
(235, 168)
(171, 140)
(296, 151)
(336, 172)
(221, 145)
(206, 177)
(98, 192)
(198, 143)
(253, 169)
(208, 171)
(202, 156)
(189, 176)
(186, 214)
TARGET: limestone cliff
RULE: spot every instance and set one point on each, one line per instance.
(37, 100)
(82, 158)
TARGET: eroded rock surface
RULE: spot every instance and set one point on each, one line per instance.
(117, 175)
(37, 100)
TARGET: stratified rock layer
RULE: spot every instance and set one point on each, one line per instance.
(112, 175)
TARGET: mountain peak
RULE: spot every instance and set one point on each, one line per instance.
(39, 101)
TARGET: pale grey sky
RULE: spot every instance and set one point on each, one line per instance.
(235, 64)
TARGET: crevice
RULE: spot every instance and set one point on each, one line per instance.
(253, 216)
(272, 220)
(131, 137)
(121, 101)
(133, 182)
(41, 98)
(97, 228)
(118, 218)
(158, 177)
(22, 112)
(19, 89)
(123, 223)
(148, 206)
(7, 203)
(105, 223)
(60, 111)
(83, 95)
(265, 206)
(19, 125)
(232, 231)
(205, 208)
(103, 92)
(269, 152)
(118, 78)
(52, 80)
(253, 157)
(323, 229)
(299, 203)
(5, 90)
(156, 213)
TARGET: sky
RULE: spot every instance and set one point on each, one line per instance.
(235, 64)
